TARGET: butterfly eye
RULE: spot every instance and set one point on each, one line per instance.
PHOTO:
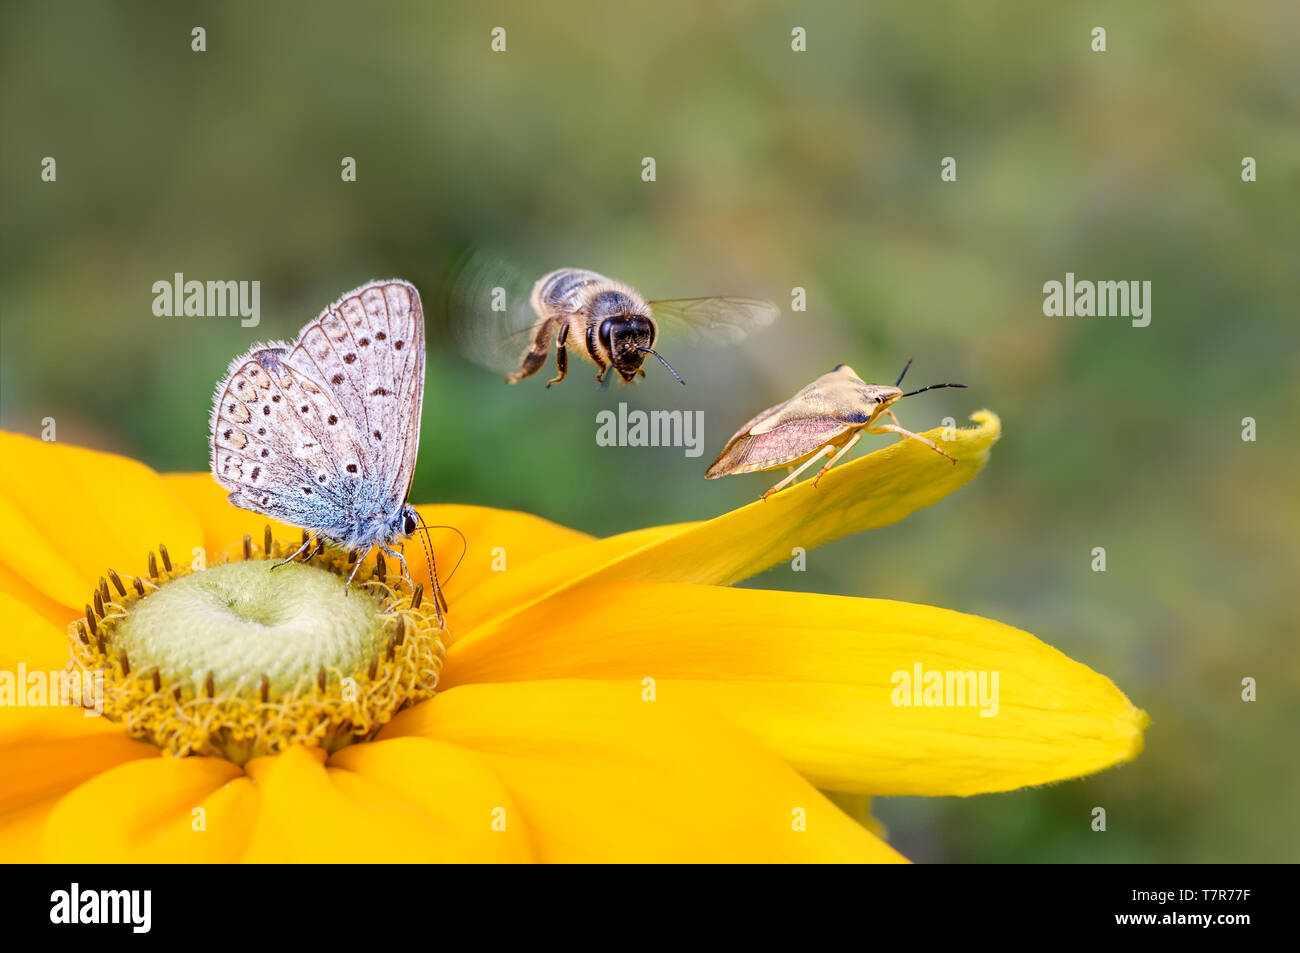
(408, 524)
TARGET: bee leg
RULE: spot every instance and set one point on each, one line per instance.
(907, 434)
(836, 459)
(604, 369)
(829, 448)
(535, 357)
(561, 358)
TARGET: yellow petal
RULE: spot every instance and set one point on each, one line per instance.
(44, 754)
(28, 637)
(599, 774)
(521, 582)
(813, 678)
(55, 613)
(492, 535)
(454, 791)
(163, 810)
(22, 832)
(67, 514)
(409, 801)
(881, 488)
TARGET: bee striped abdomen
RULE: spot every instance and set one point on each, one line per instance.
(559, 291)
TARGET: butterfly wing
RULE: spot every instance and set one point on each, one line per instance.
(283, 445)
(368, 350)
(720, 319)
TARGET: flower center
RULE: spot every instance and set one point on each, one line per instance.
(246, 657)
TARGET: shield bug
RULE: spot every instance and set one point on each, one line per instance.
(828, 415)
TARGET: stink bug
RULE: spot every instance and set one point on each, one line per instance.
(830, 413)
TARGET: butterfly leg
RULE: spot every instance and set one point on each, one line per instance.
(305, 543)
(836, 459)
(360, 559)
(828, 449)
(561, 357)
(401, 558)
(907, 434)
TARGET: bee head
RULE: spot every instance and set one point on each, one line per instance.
(627, 338)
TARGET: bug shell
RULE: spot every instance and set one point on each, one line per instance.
(827, 411)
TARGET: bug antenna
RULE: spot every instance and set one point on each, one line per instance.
(931, 387)
(900, 376)
(650, 350)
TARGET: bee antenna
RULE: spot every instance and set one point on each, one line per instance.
(900, 376)
(931, 387)
(650, 350)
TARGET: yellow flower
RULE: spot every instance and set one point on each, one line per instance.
(600, 699)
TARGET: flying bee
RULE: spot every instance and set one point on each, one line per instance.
(604, 321)
(612, 325)
(830, 414)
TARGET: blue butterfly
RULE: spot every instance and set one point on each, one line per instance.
(323, 432)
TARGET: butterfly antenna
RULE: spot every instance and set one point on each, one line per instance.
(464, 546)
(428, 544)
(650, 350)
(900, 376)
(439, 601)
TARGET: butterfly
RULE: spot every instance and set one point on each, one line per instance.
(322, 432)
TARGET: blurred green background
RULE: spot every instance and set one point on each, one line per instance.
(775, 169)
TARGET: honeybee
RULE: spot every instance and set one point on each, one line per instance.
(602, 320)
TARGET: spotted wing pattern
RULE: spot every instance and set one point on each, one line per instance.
(282, 445)
(368, 348)
(323, 432)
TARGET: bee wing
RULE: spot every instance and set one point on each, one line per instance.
(485, 311)
(721, 319)
(781, 445)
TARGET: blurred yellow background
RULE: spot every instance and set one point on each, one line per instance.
(775, 170)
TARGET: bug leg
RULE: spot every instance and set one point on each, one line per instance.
(836, 459)
(795, 475)
(604, 369)
(305, 544)
(535, 356)
(561, 357)
(907, 434)
(360, 560)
